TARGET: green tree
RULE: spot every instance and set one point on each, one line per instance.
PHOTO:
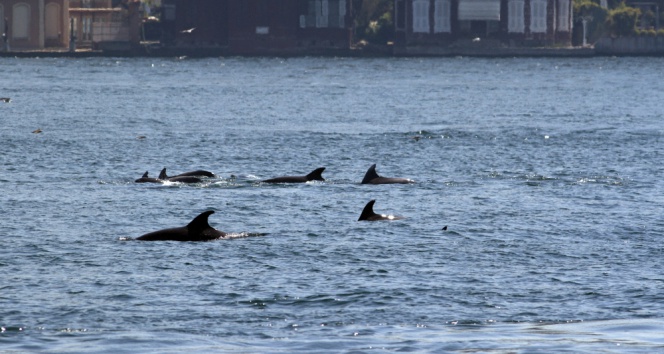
(374, 22)
(596, 26)
(622, 20)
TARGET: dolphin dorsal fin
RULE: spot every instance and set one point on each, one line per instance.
(316, 174)
(201, 221)
(368, 211)
(145, 175)
(162, 174)
(371, 174)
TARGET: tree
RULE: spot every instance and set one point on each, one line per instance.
(374, 20)
(596, 26)
(622, 20)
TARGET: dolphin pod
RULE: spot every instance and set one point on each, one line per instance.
(197, 230)
(371, 177)
(186, 177)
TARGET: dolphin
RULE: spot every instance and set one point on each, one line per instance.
(5, 99)
(179, 178)
(371, 177)
(197, 173)
(369, 215)
(197, 230)
(314, 175)
(146, 179)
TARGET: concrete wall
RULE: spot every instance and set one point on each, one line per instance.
(637, 45)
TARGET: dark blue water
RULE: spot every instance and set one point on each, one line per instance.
(547, 172)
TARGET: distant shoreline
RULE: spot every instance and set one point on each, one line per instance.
(372, 51)
(205, 52)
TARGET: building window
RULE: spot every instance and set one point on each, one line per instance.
(86, 28)
(563, 15)
(52, 21)
(442, 16)
(479, 10)
(515, 21)
(400, 15)
(21, 21)
(421, 16)
(324, 13)
(2, 20)
(538, 16)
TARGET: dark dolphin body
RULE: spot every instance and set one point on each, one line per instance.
(197, 173)
(146, 179)
(315, 175)
(187, 177)
(369, 215)
(371, 177)
(182, 178)
(197, 230)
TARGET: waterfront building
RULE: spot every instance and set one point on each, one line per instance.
(253, 27)
(35, 24)
(437, 26)
(94, 17)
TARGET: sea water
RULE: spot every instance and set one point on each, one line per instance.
(547, 173)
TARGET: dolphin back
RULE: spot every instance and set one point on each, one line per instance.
(197, 230)
(200, 222)
(316, 175)
(182, 178)
(372, 177)
(197, 173)
(367, 212)
(146, 179)
(173, 234)
(371, 174)
(369, 215)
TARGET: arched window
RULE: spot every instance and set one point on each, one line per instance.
(52, 21)
(21, 21)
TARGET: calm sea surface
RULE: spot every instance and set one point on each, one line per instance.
(548, 173)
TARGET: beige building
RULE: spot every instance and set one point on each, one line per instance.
(35, 24)
(90, 17)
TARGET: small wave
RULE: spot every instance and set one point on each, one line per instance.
(236, 235)
(604, 180)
